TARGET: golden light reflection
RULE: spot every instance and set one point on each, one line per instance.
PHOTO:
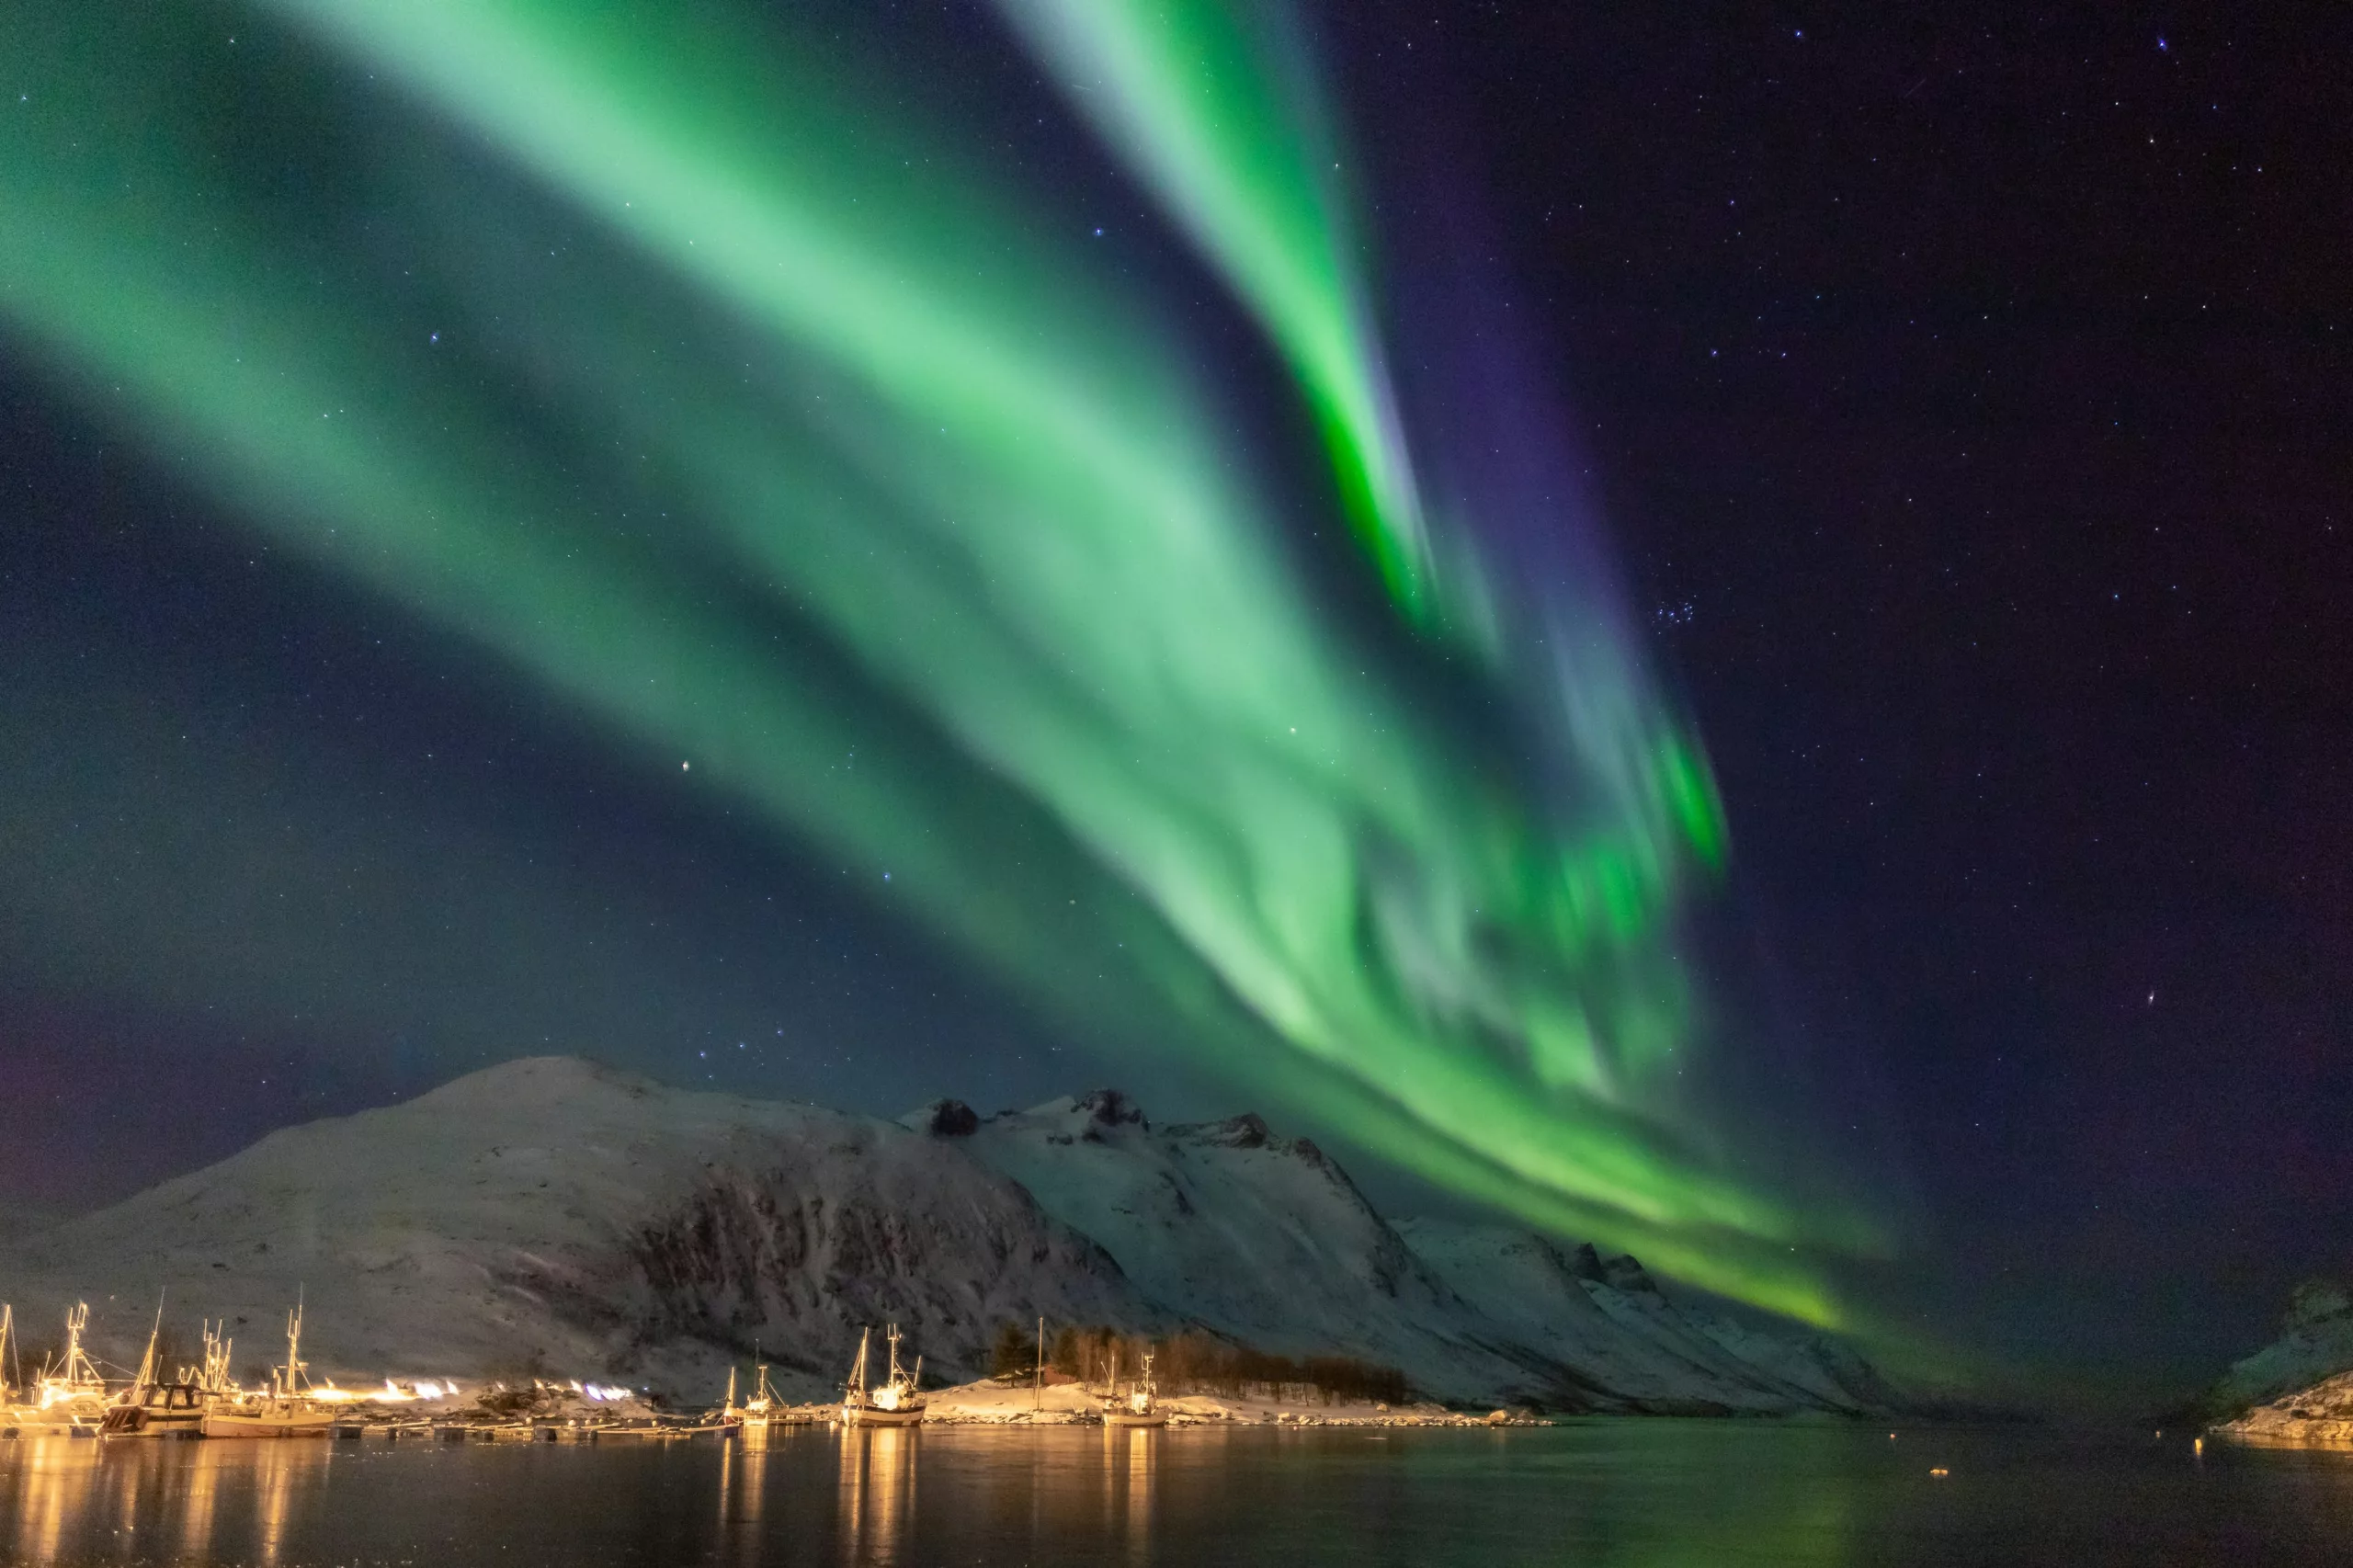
(125, 1488)
(1141, 1447)
(877, 1490)
(742, 1496)
(853, 1489)
(198, 1492)
(55, 1478)
(278, 1466)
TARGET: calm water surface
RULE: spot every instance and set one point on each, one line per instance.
(1598, 1492)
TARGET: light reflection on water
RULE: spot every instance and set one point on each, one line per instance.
(1623, 1495)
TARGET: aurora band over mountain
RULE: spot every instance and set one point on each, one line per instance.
(933, 485)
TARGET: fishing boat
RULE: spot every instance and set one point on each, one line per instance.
(70, 1398)
(1140, 1406)
(894, 1400)
(290, 1409)
(155, 1406)
(762, 1410)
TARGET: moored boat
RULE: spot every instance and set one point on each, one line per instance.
(894, 1402)
(1140, 1405)
(760, 1411)
(157, 1410)
(70, 1398)
(155, 1406)
(290, 1409)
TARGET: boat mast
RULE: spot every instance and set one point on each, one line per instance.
(293, 1349)
(7, 1322)
(893, 1380)
(857, 1369)
(147, 1362)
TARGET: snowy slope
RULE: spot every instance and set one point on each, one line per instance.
(548, 1215)
(1260, 1238)
(1264, 1239)
(550, 1211)
(1560, 1301)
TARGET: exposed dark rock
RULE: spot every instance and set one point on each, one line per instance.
(1627, 1273)
(1247, 1130)
(946, 1118)
(1112, 1108)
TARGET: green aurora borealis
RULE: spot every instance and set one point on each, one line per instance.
(820, 390)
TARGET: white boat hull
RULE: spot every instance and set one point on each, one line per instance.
(280, 1423)
(80, 1416)
(874, 1415)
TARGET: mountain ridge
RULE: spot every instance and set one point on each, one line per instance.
(550, 1214)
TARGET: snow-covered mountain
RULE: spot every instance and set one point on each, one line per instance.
(1267, 1240)
(546, 1213)
(1607, 1323)
(1260, 1238)
(2316, 1342)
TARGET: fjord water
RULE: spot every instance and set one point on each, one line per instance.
(1589, 1492)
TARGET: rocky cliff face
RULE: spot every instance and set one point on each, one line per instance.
(550, 1214)
(2319, 1414)
(2316, 1342)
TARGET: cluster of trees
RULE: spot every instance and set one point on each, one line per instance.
(1193, 1362)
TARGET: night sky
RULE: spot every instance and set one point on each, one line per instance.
(1941, 416)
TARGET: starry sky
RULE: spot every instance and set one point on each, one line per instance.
(1912, 451)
